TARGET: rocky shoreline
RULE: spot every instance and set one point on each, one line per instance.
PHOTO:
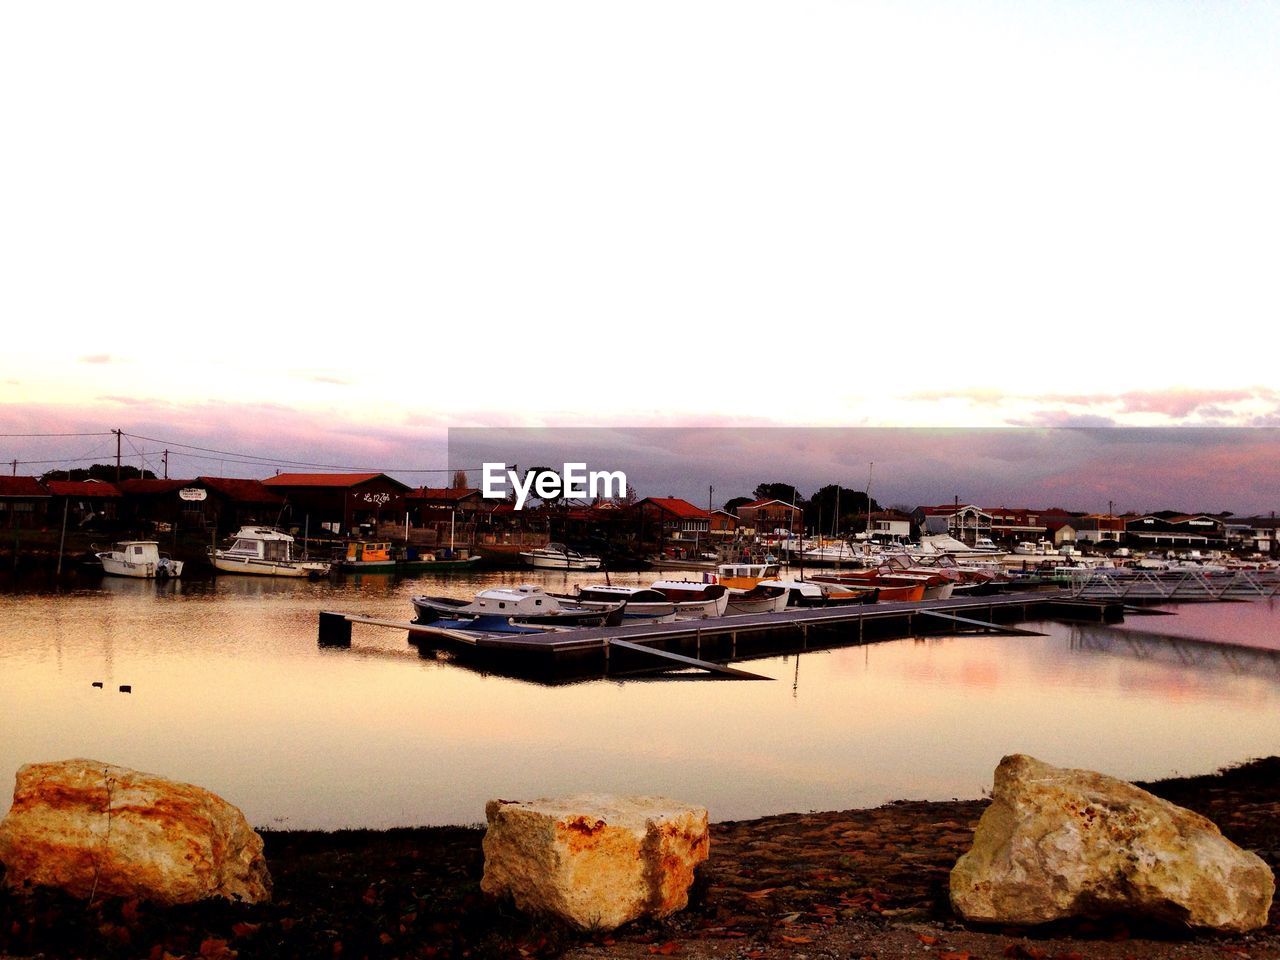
(841, 884)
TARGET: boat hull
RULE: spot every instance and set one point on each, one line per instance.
(115, 567)
(270, 568)
(406, 566)
(552, 563)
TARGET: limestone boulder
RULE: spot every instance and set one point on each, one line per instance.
(93, 829)
(1059, 843)
(596, 861)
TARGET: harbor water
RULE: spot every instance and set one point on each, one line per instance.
(230, 690)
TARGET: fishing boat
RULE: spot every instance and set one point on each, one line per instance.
(640, 604)
(265, 552)
(759, 599)
(139, 558)
(744, 576)
(383, 557)
(694, 600)
(526, 604)
(556, 556)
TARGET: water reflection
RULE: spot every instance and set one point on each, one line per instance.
(231, 691)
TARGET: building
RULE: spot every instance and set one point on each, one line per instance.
(340, 503)
(671, 522)
(724, 524)
(766, 517)
(1091, 528)
(88, 504)
(890, 525)
(1011, 525)
(964, 522)
(24, 503)
(1168, 529)
(1260, 534)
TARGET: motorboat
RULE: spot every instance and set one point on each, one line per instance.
(837, 554)
(744, 576)
(556, 556)
(640, 604)
(526, 604)
(807, 593)
(141, 559)
(940, 543)
(694, 600)
(265, 552)
(382, 556)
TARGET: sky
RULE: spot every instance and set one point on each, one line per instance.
(331, 234)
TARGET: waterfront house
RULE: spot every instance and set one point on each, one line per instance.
(724, 524)
(1166, 529)
(340, 503)
(965, 522)
(88, 504)
(203, 504)
(24, 503)
(1090, 528)
(671, 521)
(765, 517)
(1260, 534)
(890, 525)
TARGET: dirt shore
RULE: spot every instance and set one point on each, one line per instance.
(856, 883)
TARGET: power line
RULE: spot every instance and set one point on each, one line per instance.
(278, 461)
(102, 433)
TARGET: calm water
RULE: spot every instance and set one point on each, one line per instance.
(231, 692)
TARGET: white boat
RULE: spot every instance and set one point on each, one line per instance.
(939, 543)
(525, 604)
(642, 604)
(759, 599)
(694, 600)
(744, 576)
(265, 552)
(556, 556)
(838, 554)
(139, 558)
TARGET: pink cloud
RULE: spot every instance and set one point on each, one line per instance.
(1179, 403)
(98, 358)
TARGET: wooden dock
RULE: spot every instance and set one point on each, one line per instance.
(711, 645)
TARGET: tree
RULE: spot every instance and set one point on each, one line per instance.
(732, 506)
(852, 505)
(99, 471)
(778, 491)
(459, 479)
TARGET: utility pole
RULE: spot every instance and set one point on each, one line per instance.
(166, 464)
(15, 468)
(117, 433)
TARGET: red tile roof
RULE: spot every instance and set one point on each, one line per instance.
(152, 487)
(241, 491)
(82, 488)
(319, 479)
(678, 507)
(21, 487)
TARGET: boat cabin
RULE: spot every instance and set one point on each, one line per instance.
(138, 551)
(524, 600)
(364, 552)
(262, 543)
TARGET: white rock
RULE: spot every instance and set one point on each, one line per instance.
(596, 861)
(1061, 843)
(94, 829)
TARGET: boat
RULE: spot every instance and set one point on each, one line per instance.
(838, 554)
(640, 604)
(526, 604)
(807, 593)
(556, 556)
(759, 599)
(694, 600)
(139, 558)
(744, 576)
(265, 552)
(382, 557)
(939, 543)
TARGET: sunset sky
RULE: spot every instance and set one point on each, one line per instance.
(329, 234)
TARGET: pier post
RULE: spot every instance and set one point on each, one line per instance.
(335, 630)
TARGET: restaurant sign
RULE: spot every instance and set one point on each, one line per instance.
(193, 493)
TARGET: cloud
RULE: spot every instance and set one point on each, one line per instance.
(323, 376)
(1179, 403)
(1228, 406)
(1062, 418)
(98, 358)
